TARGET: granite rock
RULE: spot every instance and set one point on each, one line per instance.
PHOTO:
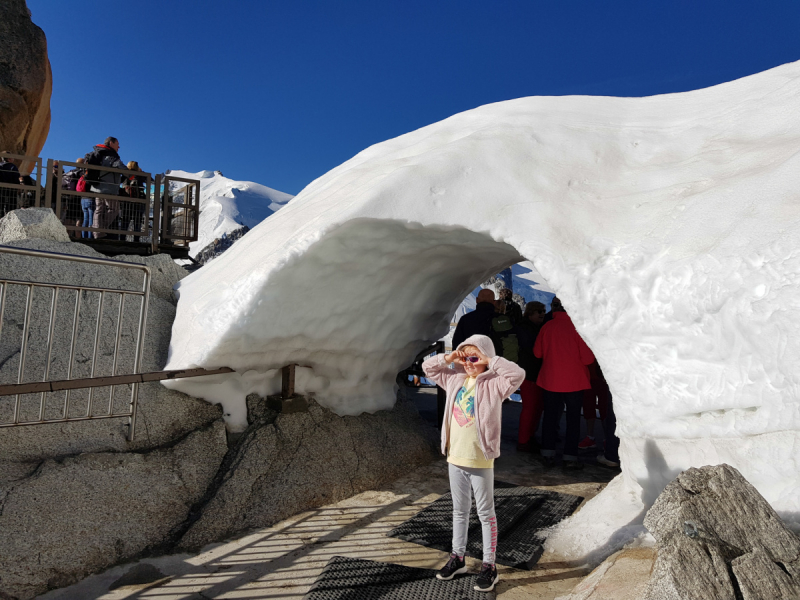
(719, 539)
(84, 513)
(27, 223)
(297, 455)
(26, 82)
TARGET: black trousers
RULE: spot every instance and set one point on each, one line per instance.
(609, 429)
(554, 403)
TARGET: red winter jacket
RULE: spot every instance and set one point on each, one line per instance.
(564, 355)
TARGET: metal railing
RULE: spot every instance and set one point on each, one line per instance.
(115, 215)
(45, 324)
(179, 217)
(21, 195)
(160, 213)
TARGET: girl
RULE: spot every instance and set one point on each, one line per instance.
(476, 388)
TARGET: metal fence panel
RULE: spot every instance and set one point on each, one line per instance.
(60, 326)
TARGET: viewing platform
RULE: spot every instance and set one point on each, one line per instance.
(115, 211)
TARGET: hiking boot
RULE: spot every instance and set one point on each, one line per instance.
(607, 463)
(587, 443)
(547, 461)
(487, 579)
(572, 465)
(454, 566)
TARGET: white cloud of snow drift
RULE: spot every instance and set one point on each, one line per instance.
(668, 225)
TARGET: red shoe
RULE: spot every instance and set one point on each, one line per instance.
(587, 443)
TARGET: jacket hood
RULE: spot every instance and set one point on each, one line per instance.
(481, 342)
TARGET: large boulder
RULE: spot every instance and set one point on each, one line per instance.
(297, 455)
(718, 539)
(84, 513)
(28, 223)
(26, 82)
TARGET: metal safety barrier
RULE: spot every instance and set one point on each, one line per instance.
(57, 296)
(26, 191)
(179, 216)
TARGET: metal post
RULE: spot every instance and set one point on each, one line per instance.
(72, 347)
(94, 352)
(48, 182)
(24, 348)
(37, 198)
(53, 308)
(140, 350)
(287, 381)
(116, 350)
(156, 215)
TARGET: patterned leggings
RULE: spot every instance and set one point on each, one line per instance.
(481, 483)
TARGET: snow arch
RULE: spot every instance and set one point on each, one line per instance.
(668, 226)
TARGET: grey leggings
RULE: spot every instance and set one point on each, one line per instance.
(481, 482)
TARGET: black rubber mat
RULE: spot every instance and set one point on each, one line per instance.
(523, 516)
(357, 579)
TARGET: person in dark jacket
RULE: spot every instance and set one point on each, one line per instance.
(513, 309)
(133, 212)
(479, 321)
(105, 182)
(563, 377)
(9, 173)
(531, 394)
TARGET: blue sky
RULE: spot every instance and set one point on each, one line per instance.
(282, 92)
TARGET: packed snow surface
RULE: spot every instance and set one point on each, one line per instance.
(226, 205)
(667, 225)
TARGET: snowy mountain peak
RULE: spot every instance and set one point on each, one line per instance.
(227, 205)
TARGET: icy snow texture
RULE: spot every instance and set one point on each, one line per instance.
(226, 205)
(667, 225)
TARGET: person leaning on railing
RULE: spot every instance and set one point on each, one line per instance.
(133, 212)
(9, 173)
(71, 204)
(105, 182)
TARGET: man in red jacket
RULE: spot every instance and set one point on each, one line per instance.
(563, 377)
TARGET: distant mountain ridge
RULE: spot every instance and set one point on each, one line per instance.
(227, 205)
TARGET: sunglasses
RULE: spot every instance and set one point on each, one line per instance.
(472, 359)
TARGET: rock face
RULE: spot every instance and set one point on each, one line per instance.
(28, 223)
(88, 512)
(76, 498)
(26, 82)
(163, 416)
(718, 539)
(297, 455)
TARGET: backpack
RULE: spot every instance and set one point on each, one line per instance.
(503, 330)
(82, 184)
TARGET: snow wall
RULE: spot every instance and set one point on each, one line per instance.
(668, 225)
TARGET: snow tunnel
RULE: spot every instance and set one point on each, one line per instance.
(667, 225)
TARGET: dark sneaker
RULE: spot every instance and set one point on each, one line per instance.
(487, 579)
(572, 465)
(548, 461)
(454, 567)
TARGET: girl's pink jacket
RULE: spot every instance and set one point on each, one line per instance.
(495, 384)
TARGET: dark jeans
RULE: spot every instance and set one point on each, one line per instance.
(553, 409)
(609, 428)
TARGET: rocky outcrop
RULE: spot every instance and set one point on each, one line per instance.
(297, 455)
(718, 539)
(28, 223)
(163, 415)
(81, 514)
(26, 82)
(78, 497)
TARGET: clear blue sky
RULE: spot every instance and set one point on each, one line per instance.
(281, 92)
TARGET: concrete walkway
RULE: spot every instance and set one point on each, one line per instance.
(282, 561)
